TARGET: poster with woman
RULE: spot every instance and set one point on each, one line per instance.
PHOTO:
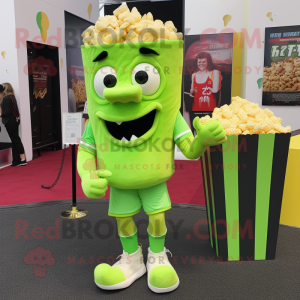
(207, 74)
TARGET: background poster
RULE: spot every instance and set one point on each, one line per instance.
(281, 80)
(208, 59)
(74, 26)
(40, 76)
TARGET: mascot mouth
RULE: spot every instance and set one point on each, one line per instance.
(131, 130)
(135, 131)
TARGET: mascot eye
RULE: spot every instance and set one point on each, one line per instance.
(141, 77)
(110, 81)
(104, 78)
(147, 77)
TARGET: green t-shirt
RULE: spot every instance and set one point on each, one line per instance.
(181, 131)
(87, 141)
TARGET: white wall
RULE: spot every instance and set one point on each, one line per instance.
(8, 66)
(202, 16)
(55, 12)
(284, 14)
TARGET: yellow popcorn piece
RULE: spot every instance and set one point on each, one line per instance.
(272, 131)
(250, 126)
(107, 38)
(121, 9)
(140, 26)
(173, 36)
(104, 20)
(247, 108)
(251, 120)
(87, 39)
(233, 131)
(129, 19)
(257, 128)
(242, 115)
(267, 127)
(246, 132)
(144, 17)
(131, 27)
(254, 105)
(235, 121)
(124, 25)
(276, 120)
(149, 16)
(225, 123)
(131, 34)
(234, 107)
(159, 23)
(288, 129)
(252, 112)
(124, 15)
(100, 26)
(113, 22)
(88, 31)
(95, 33)
(136, 15)
(259, 119)
(170, 26)
(84, 34)
(148, 37)
(216, 116)
(227, 113)
(269, 113)
(243, 127)
(262, 114)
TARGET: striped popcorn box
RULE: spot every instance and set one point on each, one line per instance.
(243, 182)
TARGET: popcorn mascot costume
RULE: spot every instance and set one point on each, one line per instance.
(134, 96)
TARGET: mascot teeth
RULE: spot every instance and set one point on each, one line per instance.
(124, 139)
(133, 138)
(119, 123)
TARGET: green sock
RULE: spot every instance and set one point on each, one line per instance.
(129, 243)
(157, 244)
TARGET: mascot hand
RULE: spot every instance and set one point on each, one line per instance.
(210, 133)
(94, 184)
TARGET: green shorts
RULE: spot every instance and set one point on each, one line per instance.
(125, 203)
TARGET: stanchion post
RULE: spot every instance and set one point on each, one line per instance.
(73, 177)
(74, 213)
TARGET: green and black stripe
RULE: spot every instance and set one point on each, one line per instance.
(243, 181)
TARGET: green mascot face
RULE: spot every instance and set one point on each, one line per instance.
(134, 95)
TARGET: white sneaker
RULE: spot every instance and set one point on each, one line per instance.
(123, 273)
(162, 277)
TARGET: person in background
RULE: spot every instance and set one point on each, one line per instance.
(11, 119)
(206, 82)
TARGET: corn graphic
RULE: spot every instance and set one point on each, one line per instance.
(43, 24)
(89, 10)
(226, 19)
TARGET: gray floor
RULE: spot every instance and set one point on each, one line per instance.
(278, 279)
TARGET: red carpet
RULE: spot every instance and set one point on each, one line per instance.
(23, 184)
